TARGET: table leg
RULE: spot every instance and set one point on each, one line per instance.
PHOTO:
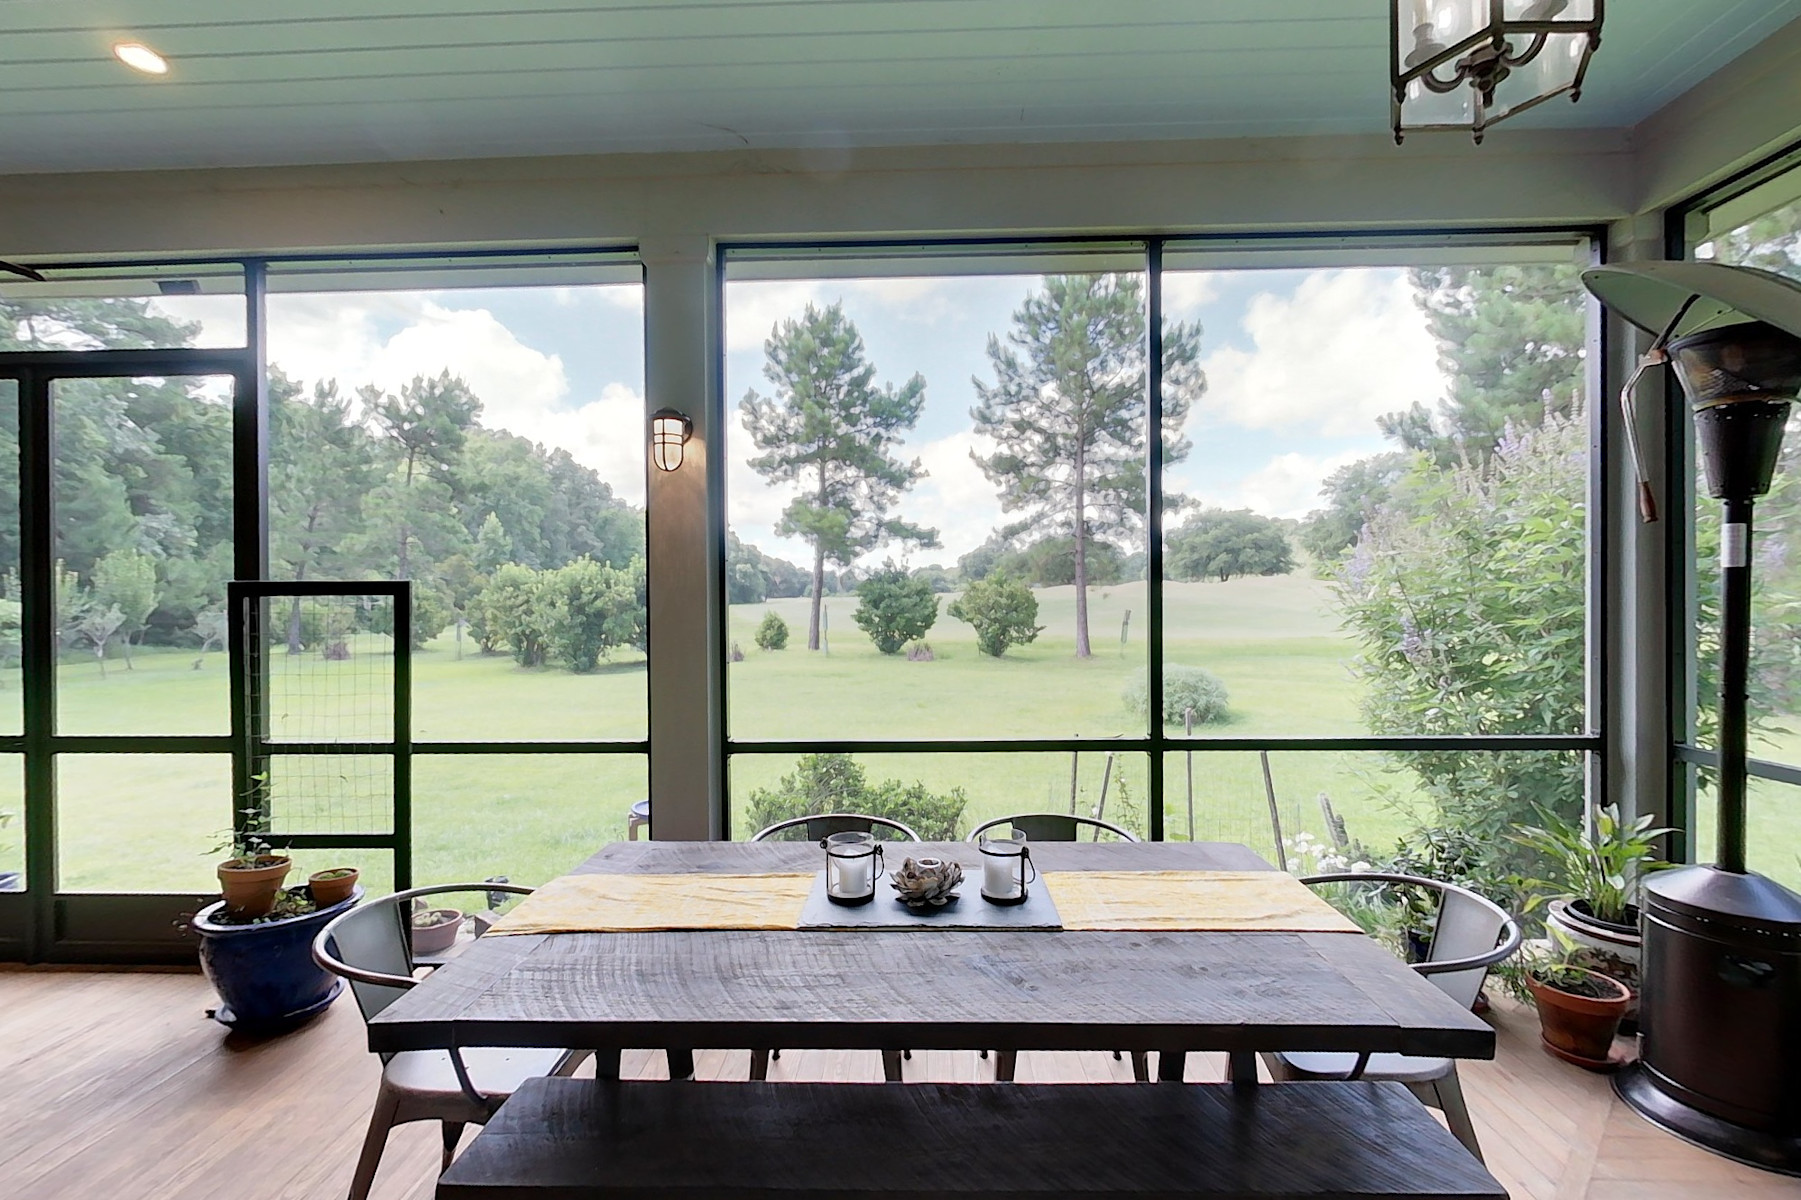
(1171, 1065)
(681, 1063)
(1241, 1068)
(606, 1066)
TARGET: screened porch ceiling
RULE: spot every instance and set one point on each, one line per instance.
(253, 82)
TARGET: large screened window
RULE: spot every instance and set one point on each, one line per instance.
(474, 425)
(1755, 222)
(1359, 473)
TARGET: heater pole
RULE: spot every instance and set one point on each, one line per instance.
(1735, 669)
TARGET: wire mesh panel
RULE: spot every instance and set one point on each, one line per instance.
(328, 674)
(321, 714)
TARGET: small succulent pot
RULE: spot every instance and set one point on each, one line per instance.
(250, 884)
(435, 930)
(330, 886)
(1580, 1029)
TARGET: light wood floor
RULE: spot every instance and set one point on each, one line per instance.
(114, 1086)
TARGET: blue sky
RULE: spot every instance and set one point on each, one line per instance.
(1299, 364)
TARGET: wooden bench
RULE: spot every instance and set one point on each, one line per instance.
(564, 1139)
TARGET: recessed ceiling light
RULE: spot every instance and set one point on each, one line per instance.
(140, 57)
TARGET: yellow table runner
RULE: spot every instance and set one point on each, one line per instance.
(1191, 901)
(645, 903)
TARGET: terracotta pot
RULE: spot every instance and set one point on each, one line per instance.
(1580, 1029)
(328, 891)
(250, 891)
(435, 939)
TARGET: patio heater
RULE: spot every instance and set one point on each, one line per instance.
(1720, 1010)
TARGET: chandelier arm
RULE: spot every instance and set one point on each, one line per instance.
(1442, 86)
(1532, 49)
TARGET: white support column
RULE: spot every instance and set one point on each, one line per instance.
(681, 350)
(1635, 624)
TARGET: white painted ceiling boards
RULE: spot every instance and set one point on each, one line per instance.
(317, 81)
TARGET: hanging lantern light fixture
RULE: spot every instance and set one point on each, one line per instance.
(669, 434)
(1466, 64)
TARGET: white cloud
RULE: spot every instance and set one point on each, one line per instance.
(1345, 348)
(1186, 292)
(755, 307)
(1288, 485)
(522, 390)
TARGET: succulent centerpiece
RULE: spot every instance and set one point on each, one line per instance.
(926, 882)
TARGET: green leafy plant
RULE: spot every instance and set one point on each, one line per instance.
(1001, 610)
(1604, 870)
(1184, 689)
(772, 634)
(823, 783)
(1557, 962)
(894, 608)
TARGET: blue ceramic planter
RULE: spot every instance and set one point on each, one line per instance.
(265, 974)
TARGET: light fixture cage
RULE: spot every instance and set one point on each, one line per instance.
(1468, 64)
(669, 434)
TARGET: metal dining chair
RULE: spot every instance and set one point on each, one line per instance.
(371, 946)
(823, 825)
(1471, 934)
(1054, 827)
(819, 826)
(1057, 827)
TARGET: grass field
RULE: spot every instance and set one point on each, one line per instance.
(146, 822)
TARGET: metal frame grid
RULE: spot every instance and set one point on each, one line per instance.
(1156, 743)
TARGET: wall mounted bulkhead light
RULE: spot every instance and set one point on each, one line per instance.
(669, 434)
(1466, 64)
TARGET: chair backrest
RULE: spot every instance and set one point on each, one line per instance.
(1470, 935)
(818, 826)
(372, 944)
(1053, 827)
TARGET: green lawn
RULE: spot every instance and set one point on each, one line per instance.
(133, 822)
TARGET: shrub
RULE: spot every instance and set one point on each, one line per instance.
(894, 608)
(1002, 611)
(772, 634)
(822, 783)
(1183, 688)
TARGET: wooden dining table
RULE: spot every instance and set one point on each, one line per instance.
(1236, 991)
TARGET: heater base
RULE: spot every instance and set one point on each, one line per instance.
(1753, 1147)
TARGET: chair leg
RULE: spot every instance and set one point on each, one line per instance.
(759, 1065)
(387, 1107)
(570, 1063)
(1447, 1097)
(1141, 1066)
(453, 1133)
(891, 1065)
(1005, 1063)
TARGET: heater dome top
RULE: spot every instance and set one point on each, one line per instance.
(1650, 294)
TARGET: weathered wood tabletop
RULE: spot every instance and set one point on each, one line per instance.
(939, 989)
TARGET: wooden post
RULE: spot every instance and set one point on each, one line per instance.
(1100, 808)
(1188, 731)
(1075, 764)
(1275, 817)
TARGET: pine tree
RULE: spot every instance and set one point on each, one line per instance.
(1068, 407)
(831, 430)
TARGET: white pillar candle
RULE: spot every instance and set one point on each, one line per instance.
(1000, 875)
(850, 876)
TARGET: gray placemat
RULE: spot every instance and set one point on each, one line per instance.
(968, 911)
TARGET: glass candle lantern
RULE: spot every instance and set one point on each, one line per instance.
(1006, 869)
(853, 863)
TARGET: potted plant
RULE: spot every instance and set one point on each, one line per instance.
(331, 885)
(435, 929)
(1595, 881)
(1579, 1009)
(252, 876)
(262, 966)
(9, 880)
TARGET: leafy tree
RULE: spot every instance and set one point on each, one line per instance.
(822, 783)
(493, 548)
(1068, 409)
(425, 428)
(1001, 610)
(125, 580)
(511, 615)
(772, 633)
(940, 579)
(1220, 543)
(1353, 494)
(832, 431)
(1051, 562)
(1466, 592)
(752, 576)
(1185, 690)
(587, 611)
(1510, 340)
(97, 624)
(894, 608)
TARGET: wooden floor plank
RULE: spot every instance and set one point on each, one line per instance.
(119, 1088)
